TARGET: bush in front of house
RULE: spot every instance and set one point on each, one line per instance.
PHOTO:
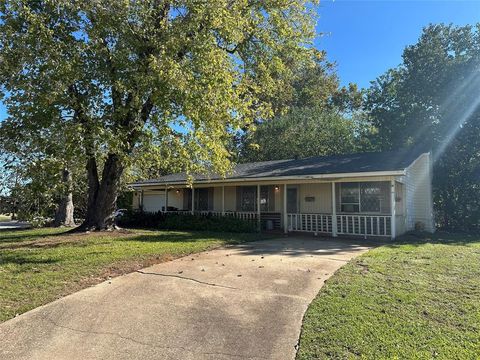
(159, 220)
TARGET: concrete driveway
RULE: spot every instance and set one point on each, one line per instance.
(240, 302)
(14, 225)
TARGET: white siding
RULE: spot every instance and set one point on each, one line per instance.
(175, 199)
(136, 200)
(400, 217)
(278, 198)
(418, 193)
(230, 198)
(153, 202)
(217, 198)
(323, 198)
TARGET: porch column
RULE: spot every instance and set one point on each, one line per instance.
(223, 200)
(334, 211)
(166, 198)
(392, 205)
(141, 200)
(258, 208)
(285, 216)
(193, 200)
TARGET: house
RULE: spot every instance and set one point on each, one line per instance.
(372, 194)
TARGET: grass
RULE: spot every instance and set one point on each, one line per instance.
(416, 299)
(4, 217)
(40, 265)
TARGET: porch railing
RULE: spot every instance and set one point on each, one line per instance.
(242, 215)
(363, 225)
(366, 225)
(310, 222)
(177, 212)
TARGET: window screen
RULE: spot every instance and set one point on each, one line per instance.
(350, 197)
(366, 197)
(371, 196)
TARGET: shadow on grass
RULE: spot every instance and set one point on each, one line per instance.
(193, 236)
(25, 235)
(25, 260)
(440, 237)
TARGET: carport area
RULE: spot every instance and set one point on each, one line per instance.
(244, 301)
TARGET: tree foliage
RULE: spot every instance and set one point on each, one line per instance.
(316, 117)
(432, 98)
(305, 132)
(127, 73)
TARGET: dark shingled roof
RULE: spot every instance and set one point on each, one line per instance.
(320, 165)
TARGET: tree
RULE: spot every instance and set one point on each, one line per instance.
(305, 132)
(44, 161)
(316, 117)
(432, 99)
(121, 72)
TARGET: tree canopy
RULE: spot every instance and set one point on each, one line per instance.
(164, 73)
(305, 132)
(432, 98)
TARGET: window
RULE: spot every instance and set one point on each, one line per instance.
(203, 199)
(371, 196)
(367, 197)
(247, 198)
(350, 197)
(264, 198)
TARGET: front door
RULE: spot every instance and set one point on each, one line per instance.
(292, 202)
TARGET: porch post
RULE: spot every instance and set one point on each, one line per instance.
(166, 197)
(193, 200)
(392, 205)
(334, 211)
(223, 200)
(285, 216)
(141, 200)
(258, 208)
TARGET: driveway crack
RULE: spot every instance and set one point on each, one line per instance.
(187, 278)
(107, 333)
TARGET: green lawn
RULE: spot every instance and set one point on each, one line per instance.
(416, 299)
(41, 265)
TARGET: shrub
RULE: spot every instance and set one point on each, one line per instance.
(159, 220)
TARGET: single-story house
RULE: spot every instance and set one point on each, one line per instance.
(371, 194)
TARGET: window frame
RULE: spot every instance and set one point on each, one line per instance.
(243, 190)
(350, 203)
(359, 190)
(380, 197)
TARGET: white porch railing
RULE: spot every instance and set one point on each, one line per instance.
(310, 222)
(242, 215)
(363, 225)
(208, 213)
(177, 212)
(366, 225)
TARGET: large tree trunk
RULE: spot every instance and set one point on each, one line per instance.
(102, 195)
(64, 213)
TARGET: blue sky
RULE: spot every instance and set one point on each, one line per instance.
(365, 38)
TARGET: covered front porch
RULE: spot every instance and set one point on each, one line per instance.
(360, 207)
